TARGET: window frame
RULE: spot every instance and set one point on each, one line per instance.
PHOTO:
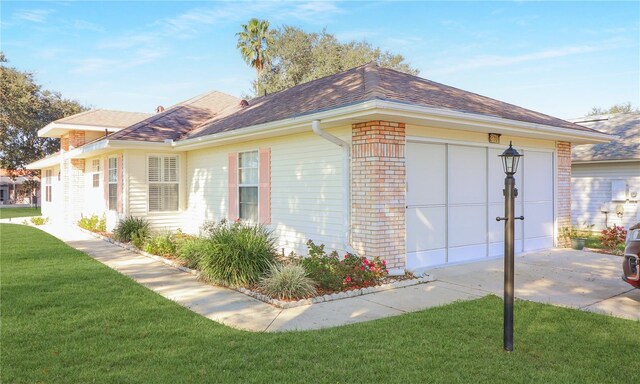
(162, 156)
(250, 185)
(111, 182)
(47, 185)
(96, 172)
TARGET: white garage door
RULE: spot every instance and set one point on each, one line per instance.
(454, 193)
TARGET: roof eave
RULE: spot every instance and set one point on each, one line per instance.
(421, 115)
(605, 161)
(56, 130)
(47, 162)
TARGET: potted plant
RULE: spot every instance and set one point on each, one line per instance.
(578, 236)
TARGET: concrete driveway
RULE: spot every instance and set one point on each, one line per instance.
(578, 279)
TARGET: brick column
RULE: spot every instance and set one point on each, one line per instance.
(64, 143)
(563, 171)
(378, 191)
(76, 139)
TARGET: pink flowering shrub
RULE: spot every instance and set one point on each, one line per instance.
(335, 274)
(613, 237)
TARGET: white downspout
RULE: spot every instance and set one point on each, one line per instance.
(346, 179)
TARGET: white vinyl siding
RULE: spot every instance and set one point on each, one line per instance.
(136, 189)
(306, 188)
(163, 183)
(591, 189)
(248, 186)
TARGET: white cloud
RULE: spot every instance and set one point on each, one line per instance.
(32, 15)
(490, 61)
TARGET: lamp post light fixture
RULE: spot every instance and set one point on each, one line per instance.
(510, 159)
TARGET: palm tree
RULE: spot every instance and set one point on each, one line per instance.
(253, 43)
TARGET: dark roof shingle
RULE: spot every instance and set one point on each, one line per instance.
(178, 120)
(368, 82)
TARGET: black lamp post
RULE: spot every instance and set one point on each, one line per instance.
(510, 158)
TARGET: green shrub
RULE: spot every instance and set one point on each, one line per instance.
(191, 250)
(333, 274)
(324, 269)
(93, 223)
(37, 220)
(127, 227)
(288, 281)
(162, 244)
(240, 255)
(88, 223)
(102, 224)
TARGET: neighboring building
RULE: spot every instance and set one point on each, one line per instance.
(370, 159)
(15, 189)
(606, 176)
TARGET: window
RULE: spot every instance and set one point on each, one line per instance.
(163, 183)
(47, 189)
(248, 185)
(95, 165)
(112, 203)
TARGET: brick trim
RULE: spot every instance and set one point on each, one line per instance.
(378, 190)
(563, 194)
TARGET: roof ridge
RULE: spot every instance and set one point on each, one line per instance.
(77, 114)
(371, 81)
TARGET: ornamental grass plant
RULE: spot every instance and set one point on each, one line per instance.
(288, 282)
(240, 253)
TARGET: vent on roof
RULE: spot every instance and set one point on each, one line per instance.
(159, 109)
(244, 103)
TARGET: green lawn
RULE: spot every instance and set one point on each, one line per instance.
(594, 242)
(67, 318)
(7, 213)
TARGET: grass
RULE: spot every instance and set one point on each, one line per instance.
(67, 318)
(9, 213)
(593, 242)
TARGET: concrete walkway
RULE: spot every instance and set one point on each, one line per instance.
(237, 310)
(582, 280)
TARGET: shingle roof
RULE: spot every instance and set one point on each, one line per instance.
(626, 147)
(367, 82)
(104, 118)
(179, 119)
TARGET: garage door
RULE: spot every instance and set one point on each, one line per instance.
(454, 193)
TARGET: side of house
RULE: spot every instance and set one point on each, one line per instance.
(361, 161)
(606, 177)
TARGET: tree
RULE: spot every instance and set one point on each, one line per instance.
(25, 108)
(297, 57)
(253, 43)
(616, 108)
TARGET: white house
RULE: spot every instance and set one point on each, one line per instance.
(370, 159)
(606, 176)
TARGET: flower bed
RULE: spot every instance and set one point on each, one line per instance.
(284, 282)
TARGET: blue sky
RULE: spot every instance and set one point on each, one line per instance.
(559, 58)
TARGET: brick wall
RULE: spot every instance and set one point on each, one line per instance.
(76, 139)
(64, 143)
(378, 191)
(563, 152)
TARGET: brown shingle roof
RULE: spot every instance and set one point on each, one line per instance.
(104, 118)
(626, 147)
(179, 119)
(367, 82)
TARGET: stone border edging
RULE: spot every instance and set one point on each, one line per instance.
(265, 298)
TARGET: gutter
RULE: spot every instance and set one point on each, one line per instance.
(346, 179)
(425, 116)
